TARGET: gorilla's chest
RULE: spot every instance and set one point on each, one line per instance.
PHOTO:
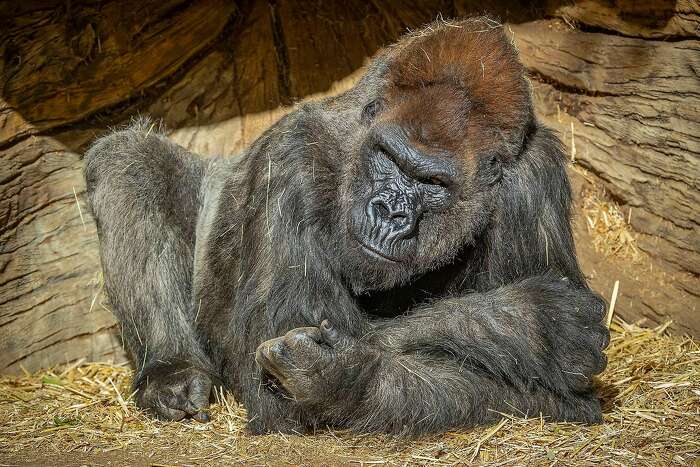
(399, 300)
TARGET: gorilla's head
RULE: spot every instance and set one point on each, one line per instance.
(427, 133)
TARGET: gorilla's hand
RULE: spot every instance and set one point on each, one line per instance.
(577, 337)
(318, 366)
(174, 390)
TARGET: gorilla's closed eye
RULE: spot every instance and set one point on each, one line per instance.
(371, 110)
(434, 181)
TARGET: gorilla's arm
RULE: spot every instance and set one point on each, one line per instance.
(526, 348)
(535, 344)
(142, 190)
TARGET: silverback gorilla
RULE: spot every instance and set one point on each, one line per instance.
(396, 258)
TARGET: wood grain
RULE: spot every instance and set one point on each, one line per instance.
(635, 107)
(62, 65)
(220, 73)
(50, 308)
(652, 19)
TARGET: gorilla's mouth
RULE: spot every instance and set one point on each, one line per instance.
(376, 253)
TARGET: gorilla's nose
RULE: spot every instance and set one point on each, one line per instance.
(400, 216)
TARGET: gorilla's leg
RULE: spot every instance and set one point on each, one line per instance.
(143, 191)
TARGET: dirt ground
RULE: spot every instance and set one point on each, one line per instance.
(650, 293)
(82, 415)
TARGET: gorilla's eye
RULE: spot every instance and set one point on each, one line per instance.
(434, 180)
(371, 110)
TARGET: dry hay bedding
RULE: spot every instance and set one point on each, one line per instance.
(84, 413)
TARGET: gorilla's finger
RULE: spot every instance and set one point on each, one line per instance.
(302, 336)
(167, 413)
(330, 334)
(198, 395)
(268, 354)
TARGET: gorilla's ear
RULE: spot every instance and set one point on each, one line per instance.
(531, 232)
(495, 170)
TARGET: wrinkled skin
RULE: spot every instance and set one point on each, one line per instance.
(395, 258)
(313, 362)
(403, 185)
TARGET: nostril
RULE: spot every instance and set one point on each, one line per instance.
(381, 209)
(399, 217)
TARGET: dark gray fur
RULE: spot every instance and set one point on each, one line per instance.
(208, 260)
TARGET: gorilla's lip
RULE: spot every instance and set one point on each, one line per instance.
(376, 253)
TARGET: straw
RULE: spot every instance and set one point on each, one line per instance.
(77, 414)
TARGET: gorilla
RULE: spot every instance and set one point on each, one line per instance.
(397, 258)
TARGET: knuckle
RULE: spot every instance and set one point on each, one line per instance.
(303, 338)
(602, 364)
(596, 362)
(200, 384)
(276, 350)
(592, 307)
(600, 337)
(268, 352)
(599, 307)
(294, 338)
(260, 355)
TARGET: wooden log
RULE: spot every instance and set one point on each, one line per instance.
(50, 308)
(653, 19)
(635, 109)
(236, 77)
(345, 34)
(63, 64)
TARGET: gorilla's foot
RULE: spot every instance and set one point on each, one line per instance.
(175, 390)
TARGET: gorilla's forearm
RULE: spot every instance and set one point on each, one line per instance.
(529, 348)
(133, 182)
(524, 334)
(414, 394)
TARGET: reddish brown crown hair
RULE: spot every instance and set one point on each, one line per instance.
(458, 86)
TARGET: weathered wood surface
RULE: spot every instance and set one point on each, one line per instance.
(219, 75)
(635, 109)
(653, 19)
(62, 64)
(48, 260)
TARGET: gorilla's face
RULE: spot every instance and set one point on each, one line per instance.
(414, 201)
(436, 119)
(399, 185)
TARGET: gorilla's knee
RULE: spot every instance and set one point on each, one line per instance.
(110, 155)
